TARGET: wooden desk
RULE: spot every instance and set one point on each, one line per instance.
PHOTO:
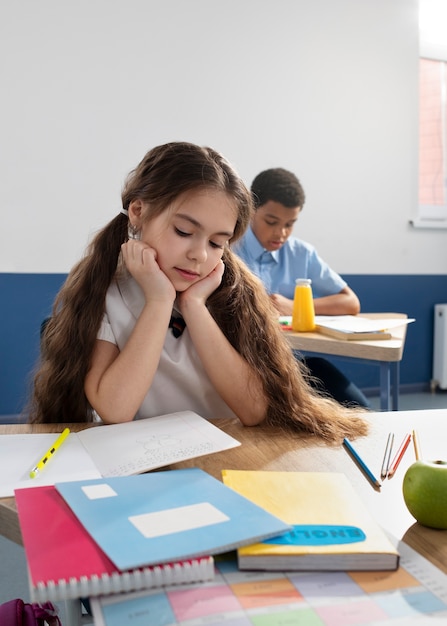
(266, 449)
(386, 353)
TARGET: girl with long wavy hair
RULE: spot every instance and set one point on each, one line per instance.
(161, 316)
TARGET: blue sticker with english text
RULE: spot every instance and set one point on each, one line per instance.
(318, 535)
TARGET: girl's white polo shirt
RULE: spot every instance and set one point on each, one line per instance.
(180, 382)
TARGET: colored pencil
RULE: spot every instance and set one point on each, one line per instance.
(417, 448)
(360, 463)
(387, 456)
(399, 455)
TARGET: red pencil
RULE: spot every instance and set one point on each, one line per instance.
(399, 454)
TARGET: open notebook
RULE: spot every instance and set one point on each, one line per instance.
(109, 450)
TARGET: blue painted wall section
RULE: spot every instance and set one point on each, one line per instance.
(27, 299)
(414, 295)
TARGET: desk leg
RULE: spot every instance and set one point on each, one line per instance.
(395, 381)
(73, 613)
(385, 386)
(389, 385)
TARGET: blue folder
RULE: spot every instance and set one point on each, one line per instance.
(166, 516)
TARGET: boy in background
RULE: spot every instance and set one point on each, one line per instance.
(278, 259)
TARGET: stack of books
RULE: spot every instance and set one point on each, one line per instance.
(119, 533)
(108, 535)
(358, 328)
(352, 327)
(330, 530)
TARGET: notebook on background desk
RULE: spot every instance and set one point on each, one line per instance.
(358, 328)
(352, 327)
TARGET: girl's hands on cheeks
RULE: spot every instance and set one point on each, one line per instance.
(201, 290)
(141, 261)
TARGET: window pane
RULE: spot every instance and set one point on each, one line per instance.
(432, 139)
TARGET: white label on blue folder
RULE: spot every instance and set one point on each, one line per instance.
(178, 519)
(318, 535)
(93, 492)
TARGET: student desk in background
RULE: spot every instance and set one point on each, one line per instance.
(264, 448)
(386, 353)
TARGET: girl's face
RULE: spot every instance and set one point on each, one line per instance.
(190, 237)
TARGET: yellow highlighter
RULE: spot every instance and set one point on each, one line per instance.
(48, 455)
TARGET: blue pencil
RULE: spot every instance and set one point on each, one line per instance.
(361, 464)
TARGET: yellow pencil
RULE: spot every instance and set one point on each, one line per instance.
(417, 449)
(48, 455)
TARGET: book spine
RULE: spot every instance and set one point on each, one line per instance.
(196, 570)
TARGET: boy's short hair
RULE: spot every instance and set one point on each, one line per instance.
(279, 185)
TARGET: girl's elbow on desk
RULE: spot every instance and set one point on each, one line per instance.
(252, 418)
(251, 407)
(110, 410)
(113, 417)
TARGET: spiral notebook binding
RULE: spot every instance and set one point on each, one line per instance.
(196, 570)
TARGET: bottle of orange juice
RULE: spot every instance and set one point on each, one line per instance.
(303, 314)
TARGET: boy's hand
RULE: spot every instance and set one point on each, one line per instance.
(282, 304)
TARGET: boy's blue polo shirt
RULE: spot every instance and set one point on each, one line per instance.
(279, 269)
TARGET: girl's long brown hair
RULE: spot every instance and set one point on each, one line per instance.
(240, 306)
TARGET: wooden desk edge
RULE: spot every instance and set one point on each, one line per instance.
(9, 527)
(280, 453)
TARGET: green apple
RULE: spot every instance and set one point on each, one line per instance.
(425, 492)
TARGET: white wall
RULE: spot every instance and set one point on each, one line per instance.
(327, 88)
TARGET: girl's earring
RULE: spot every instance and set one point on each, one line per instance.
(133, 232)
